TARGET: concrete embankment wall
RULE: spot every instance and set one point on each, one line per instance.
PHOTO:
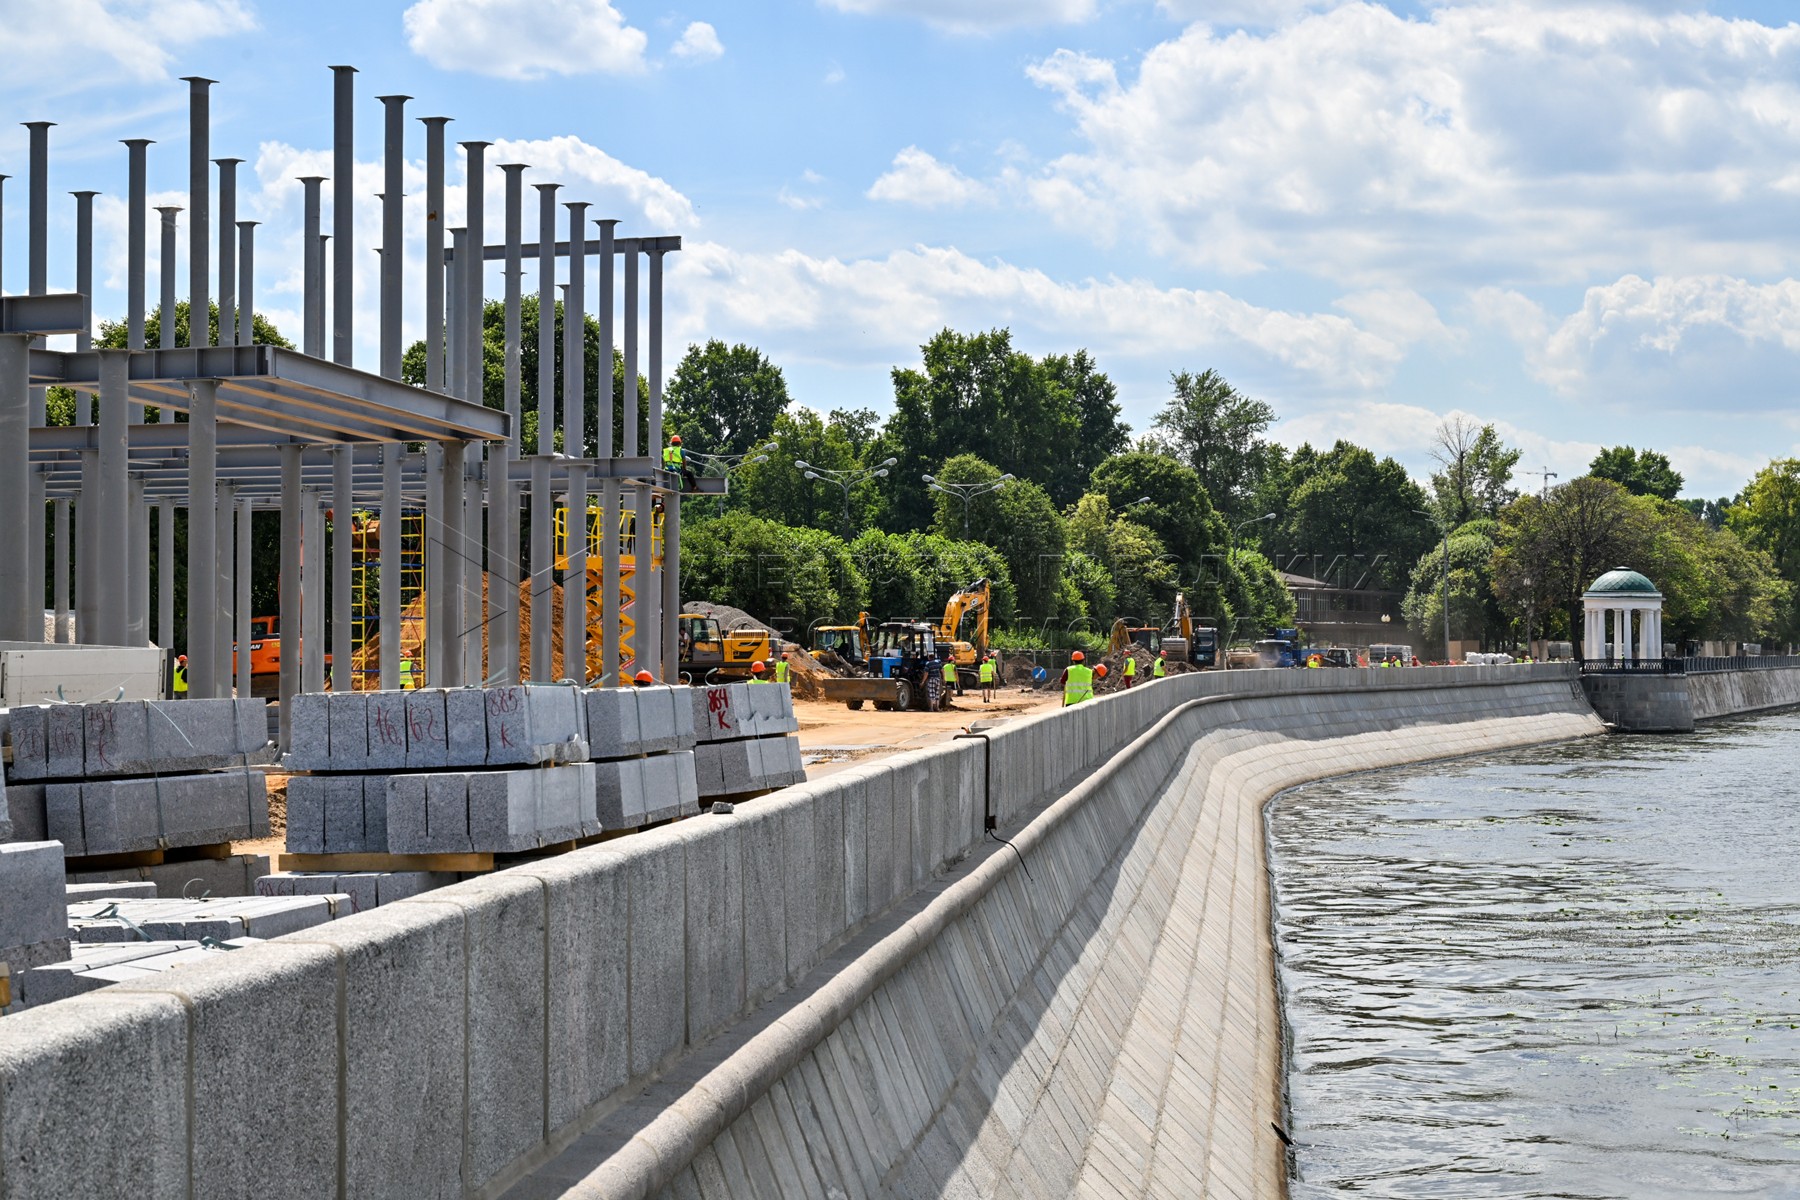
(1724, 693)
(450, 1045)
(1094, 1013)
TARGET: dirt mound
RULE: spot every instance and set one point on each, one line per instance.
(729, 618)
(804, 672)
(1115, 668)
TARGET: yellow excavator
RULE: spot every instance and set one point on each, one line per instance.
(970, 604)
(1196, 644)
(849, 642)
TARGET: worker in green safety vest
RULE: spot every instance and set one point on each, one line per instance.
(675, 459)
(181, 686)
(1077, 680)
(986, 676)
(781, 670)
(949, 675)
(759, 672)
(406, 673)
(1161, 666)
(1130, 670)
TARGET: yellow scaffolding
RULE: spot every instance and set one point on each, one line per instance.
(365, 591)
(627, 573)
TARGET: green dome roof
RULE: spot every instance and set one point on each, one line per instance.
(1622, 581)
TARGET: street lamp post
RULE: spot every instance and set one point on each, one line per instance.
(1443, 528)
(966, 492)
(724, 464)
(1238, 528)
(845, 478)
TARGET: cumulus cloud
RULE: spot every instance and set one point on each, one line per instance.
(525, 39)
(918, 179)
(115, 39)
(975, 16)
(698, 43)
(1476, 141)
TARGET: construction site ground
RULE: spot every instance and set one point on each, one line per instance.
(833, 737)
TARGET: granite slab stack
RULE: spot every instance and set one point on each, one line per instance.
(642, 740)
(439, 770)
(119, 778)
(366, 889)
(94, 965)
(34, 921)
(235, 875)
(191, 920)
(746, 739)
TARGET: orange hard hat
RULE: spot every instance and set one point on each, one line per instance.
(1078, 656)
(181, 658)
(675, 439)
(1162, 653)
(757, 667)
(644, 677)
(1100, 671)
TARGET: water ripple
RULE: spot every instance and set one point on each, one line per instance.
(1563, 972)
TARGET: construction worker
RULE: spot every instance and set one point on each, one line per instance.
(1160, 667)
(986, 676)
(781, 670)
(759, 672)
(181, 677)
(407, 668)
(1077, 680)
(1130, 670)
(949, 675)
(1313, 660)
(675, 459)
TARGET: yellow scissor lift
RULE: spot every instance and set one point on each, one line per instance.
(627, 580)
(365, 598)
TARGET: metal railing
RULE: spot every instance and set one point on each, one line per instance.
(1634, 666)
(1741, 662)
(1693, 665)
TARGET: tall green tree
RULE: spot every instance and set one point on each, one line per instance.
(780, 491)
(724, 399)
(1218, 431)
(797, 577)
(1475, 469)
(1475, 613)
(1767, 518)
(1351, 518)
(1640, 472)
(1178, 510)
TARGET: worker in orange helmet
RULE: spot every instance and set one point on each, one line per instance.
(675, 459)
(1077, 680)
(759, 672)
(644, 679)
(181, 680)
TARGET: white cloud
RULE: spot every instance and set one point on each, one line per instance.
(974, 16)
(834, 75)
(873, 309)
(699, 43)
(112, 39)
(1539, 143)
(918, 179)
(525, 39)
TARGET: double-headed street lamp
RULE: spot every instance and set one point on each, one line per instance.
(845, 478)
(966, 492)
(723, 465)
(1240, 527)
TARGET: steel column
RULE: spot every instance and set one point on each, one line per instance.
(646, 609)
(225, 587)
(312, 592)
(245, 560)
(391, 526)
(84, 265)
(246, 333)
(37, 193)
(546, 335)
(136, 246)
(343, 519)
(473, 626)
(199, 225)
(36, 583)
(343, 211)
(165, 574)
(541, 565)
(437, 577)
(503, 498)
(312, 258)
(630, 399)
(609, 489)
(288, 602)
(228, 233)
(59, 536)
(137, 632)
(203, 541)
(475, 197)
(434, 251)
(575, 580)
(671, 590)
(450, 505)
(393, 253)
(165, 312)
(87, 552)
(655, 440)
(112, 506)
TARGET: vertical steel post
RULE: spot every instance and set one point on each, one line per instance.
(203, 542)
(665, 578)
(88, 572)
(112, 506)
(138, 632)
(38, 261)
(452, 381)
(473, 273)
(228, 233)
(391, 534)
(546, 332)
(137, 246)
(609, 487)
(246, 292)
(165, 574)
(671, 584)
(199, 226)
(393, 253)
(287, 605)
(647, 607)
(541, 566)
(36, 563)
(466, 569)
(343, 518)
(37, 199)
(312, 592)
(434, 251)
(225, 587)
(575, 626)
(3, 179)
(18, 609)
(633, 447)
(473, 628)
(245, 559)
(503, 498)
(312, 273)
(59, 534)
(575, 337)
(450, 508)
(603, 435)
(655, 440)
(84, 283)
(165, 312)
(343, 211)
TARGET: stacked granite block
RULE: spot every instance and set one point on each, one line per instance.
(642, 741)
(192, 920)
(746, 739)
(366, 889)
(439, 770)
(94, 965)
(118, 778)
(34, 922)
(195, 879)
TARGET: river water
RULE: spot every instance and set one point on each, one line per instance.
(1572, 971)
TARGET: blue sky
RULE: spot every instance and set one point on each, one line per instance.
(1576, 220)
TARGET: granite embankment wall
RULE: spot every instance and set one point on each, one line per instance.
(1654, 702)
(618, 1003)
(1724, 693)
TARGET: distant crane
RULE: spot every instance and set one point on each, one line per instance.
(1547, 474)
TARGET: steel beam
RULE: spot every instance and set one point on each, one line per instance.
(203, 541)
(64, 312)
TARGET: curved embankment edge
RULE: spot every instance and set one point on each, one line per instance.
(1090, 1009)
(455, 1044)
